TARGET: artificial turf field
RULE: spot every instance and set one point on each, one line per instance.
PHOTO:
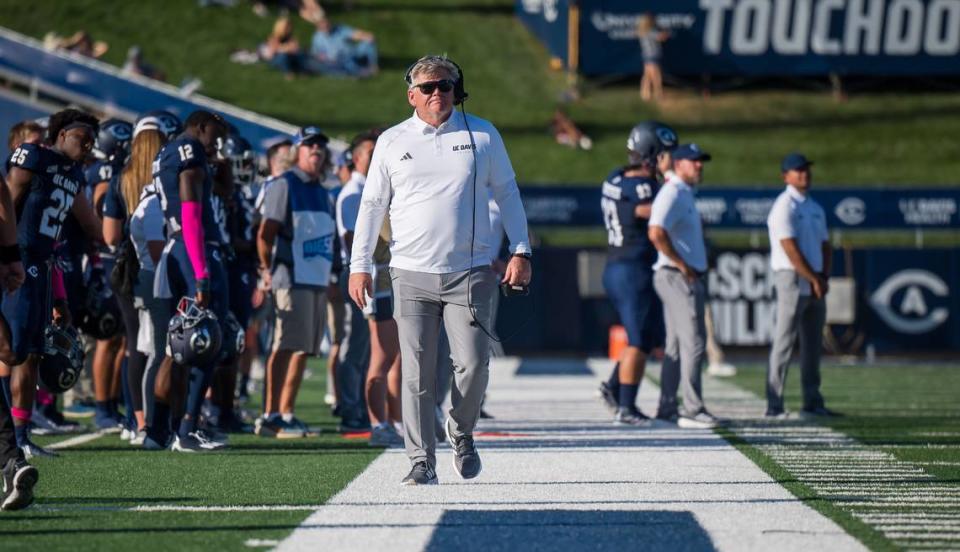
(86, 498)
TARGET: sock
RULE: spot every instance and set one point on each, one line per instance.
(5, 384)
(614, 381)
(628, 394)
(103, 410)
(22, 433)
(196, 391)
(128, 418)
(287, 417)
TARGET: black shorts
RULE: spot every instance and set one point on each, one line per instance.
(383, 308)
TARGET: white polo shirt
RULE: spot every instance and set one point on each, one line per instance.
(675, 210)
(798, 216)
(348, 207)
(424, 176)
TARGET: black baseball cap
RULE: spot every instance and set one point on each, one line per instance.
(794, 162)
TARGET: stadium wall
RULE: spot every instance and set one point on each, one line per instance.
(757, 37)
(887, 300)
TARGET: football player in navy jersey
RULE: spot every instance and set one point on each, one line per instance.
(44, 185)
(19, 477)
(627, 196)
(191, 264)
(241, 266)
(25, 132)
(111, 150)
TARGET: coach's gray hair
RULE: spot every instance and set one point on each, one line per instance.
(432, 65)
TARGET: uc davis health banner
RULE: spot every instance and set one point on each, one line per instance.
(846, 208)
(761, 37)
(905, 299)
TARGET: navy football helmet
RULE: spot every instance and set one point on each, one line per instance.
(643, 146)
(243, 160)
(664, 133)
(168, 123)
(234, 338)
(194, 335)
(100, 314)
(113, 140)
(62, 359)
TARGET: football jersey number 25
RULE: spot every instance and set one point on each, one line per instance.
(53, 215)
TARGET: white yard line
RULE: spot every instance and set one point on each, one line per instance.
(76, 440)
(561, 476)
(856, 477)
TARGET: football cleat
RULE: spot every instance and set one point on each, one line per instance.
(19, 478)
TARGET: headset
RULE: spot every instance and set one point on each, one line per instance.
(459, 96)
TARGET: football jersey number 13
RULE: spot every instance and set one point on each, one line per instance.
(53, 215)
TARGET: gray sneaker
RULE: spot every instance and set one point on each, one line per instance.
(701, 420)
(631, 417)
(421, 474)
(466, 460)
(385, 436)
(289, 430)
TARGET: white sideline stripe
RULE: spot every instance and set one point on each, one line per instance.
(261, 543)
(662, 469)
(74, 441)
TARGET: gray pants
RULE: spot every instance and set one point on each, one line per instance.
(160, 312)
(800, 316)
(683, 312)
(422, 302)
(354, 359)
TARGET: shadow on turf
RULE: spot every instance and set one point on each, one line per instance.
(551, 530)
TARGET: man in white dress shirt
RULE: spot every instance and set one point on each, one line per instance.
(433, 172)
(800, 258)
(676, 232)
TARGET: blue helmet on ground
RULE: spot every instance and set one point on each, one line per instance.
(62, 360)
(113, 140)
(194, 336)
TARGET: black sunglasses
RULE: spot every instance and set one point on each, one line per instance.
(428, 87)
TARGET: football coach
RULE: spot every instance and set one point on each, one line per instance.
(434, 172)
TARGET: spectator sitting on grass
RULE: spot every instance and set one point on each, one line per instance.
(136, 66)
(343, 50)
(81, 42)
(282, 50)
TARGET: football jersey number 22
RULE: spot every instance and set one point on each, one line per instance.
(53, 215)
